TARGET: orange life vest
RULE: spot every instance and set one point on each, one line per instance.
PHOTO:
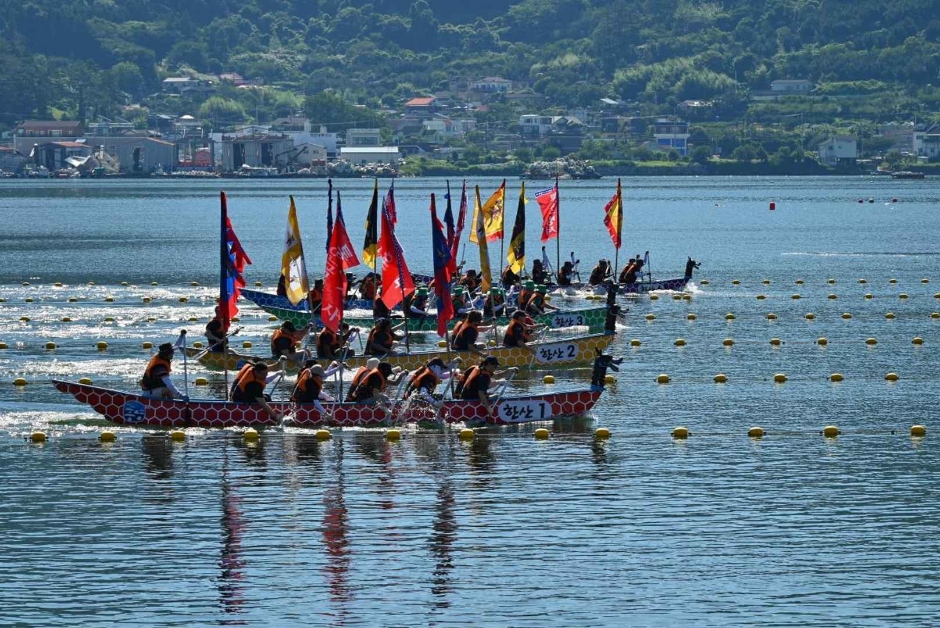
(278, 334)
(362, 390)
(327, 343)
(301, 393)
(423, 378)
(149, 381)
(383, 338)
(509, 339)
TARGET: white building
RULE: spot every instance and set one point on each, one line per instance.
(531, 124)
(670, 134)
(837, 149)
(363, 137)
(491, 85)
(445, 127)
(791, 86)
(362, 155)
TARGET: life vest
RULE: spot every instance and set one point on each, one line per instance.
(356, 380)
(381, 337)
(423, 378)
(277, 339)
(465, 337)
(367, 290)
(308, 389)
(150, 381)
(524, 296)
(315, 297)
(470, 383)
(327, 343)
(245, 378)
(536, 304)
(373, 380)
(511, 338)
(459, 386)
(597, 276)
(379, 309)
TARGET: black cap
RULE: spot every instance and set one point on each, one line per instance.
(166, 347)
(490, 359)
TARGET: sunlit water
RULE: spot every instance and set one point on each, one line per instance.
(793, 529)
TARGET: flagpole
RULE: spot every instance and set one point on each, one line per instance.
(223, 281)
(558, 230)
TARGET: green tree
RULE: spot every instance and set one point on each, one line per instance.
(222, 111)
(701, 154)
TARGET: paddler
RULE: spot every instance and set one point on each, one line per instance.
(309, 388)
(315, 296)
(156, 382)
(476, 382)
(467, 331)
(539, 272)
(249, 385)
(418, 306)
(331, 345)
(216, 333)
(600, 273)
(495, 304)
(528, 289)
(425, 380)
(382, 338)
(371, 363)
(628, 274)
(470, 281)
(371, 389)
(537, 304)
(379, 309)
(566, 274)
(285, 339)
(282, 285)
(462, 304)
(367, 287)
(517, 332)
(509, 277)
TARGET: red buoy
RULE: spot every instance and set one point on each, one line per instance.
(773, 206)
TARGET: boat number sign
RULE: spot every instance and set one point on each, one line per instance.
(568, 320)
(556, 352)
(524, 411)
(134, 412)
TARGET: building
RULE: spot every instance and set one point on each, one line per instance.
(535, 125)
(10, 160)
(445, 128)
(140, 154)
(491, 85)
(791, 86)
(671, 134)
(183, 84)
(930, 145)
(362, 155)
(423, 107)
(363, 137)
(837, 150)
(55, 155)
(306, 155)
(38, 131)
(256, 150)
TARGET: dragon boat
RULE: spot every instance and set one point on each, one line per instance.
(135, 410)
(536, 355)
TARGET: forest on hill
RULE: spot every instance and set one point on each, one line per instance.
(62, 58)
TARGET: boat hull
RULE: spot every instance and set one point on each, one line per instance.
(134, 410)
(565, 352)
(642, 287)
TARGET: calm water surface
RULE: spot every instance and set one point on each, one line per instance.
(790, 530)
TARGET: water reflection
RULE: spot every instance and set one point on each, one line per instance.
(158, 454)
(373, 446)
(335, 537)
(442, 541)
(231, 564)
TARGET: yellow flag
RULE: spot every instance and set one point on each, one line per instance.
(492, 211)
(479, 228)
(293, 266)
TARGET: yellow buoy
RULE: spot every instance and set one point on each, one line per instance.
(91, 283)
(686, 297)
(756, 432)
(272, 319)
(124, 283)
(795, 297)
(324, 435)
(194, 283)
(799, 282)
(862, 281)
(247, 344)
(903, 295)
(677, 297)
(183, 299)
(146, 299)
(761, 297)
(250, 434)
(892, 280)
(153, 283)
(490, 343)
(3, 345)
(548, 379)
(24, 319)
(201, 381)
(25, 283)
(936, 295)
(830, 281)
(662, 378)
(869, 296)
(918, 430)
(73, 300)
(727, 342)
(38, 437)
(85, 380)
(935, 315)
(58, 284)
(108, 319)
(830, 431)
(704, 282)
(892, 377)
(654, 297)
(680, 342)
(766, 282)
(602, 433)
(193, 319)
(771, 317)
(610, 379)
(146, 345)
(775, 342)
(925, 280)
(836, 377)
(109, 299)
(846, 315)
(780, 378)
(822, 342)
(832, 297)
(917, 340)
(197, 344)
(442, 344)
(28, 299)
(680, 432)
(258, 284)
(102, 345)
(542, 434)
(735, 282)
(890, 315)
(20, 381)
(729, 316)
(66, 319)
(721, 378)
(871, 341)
(465, 434)
(393, 434)
(107, 436)
(635, 342)
(50, 345)
(178, 435)
(650, 317)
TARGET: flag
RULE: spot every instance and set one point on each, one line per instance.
(370, 245)
(180, 341)
(548, 203)
(329, 214)
(397, 282)
(516, 257)
(613, 217)
(442, 274)
(293, 265)
(341, 256)
(492, 212)
(390, 203)
(449, 221)
(480, 230)
(461, 219)
(233, 261)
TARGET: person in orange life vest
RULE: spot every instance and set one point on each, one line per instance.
(371, 363)
(467, 331)
(600, 273)
(425, 380)
(382, 338)
(315, 296)
(249, 384)
(528, 289)
(368, 287)
(156, 381)
(470, 280)
(537, 304)
(372, 387)
(476, 382)
(309, 387)
(282, 285)
(216, 333)
(285, 339)
(566, 274)
(517, 332)
(494, 305)
(628, 274)
(332, 345)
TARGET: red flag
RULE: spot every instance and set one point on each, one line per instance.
(396, 279)
(461, 219)
(390, 203)
(548, 203)
(613, 217)
(442, 276)
(233, 260)
(341, 257)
